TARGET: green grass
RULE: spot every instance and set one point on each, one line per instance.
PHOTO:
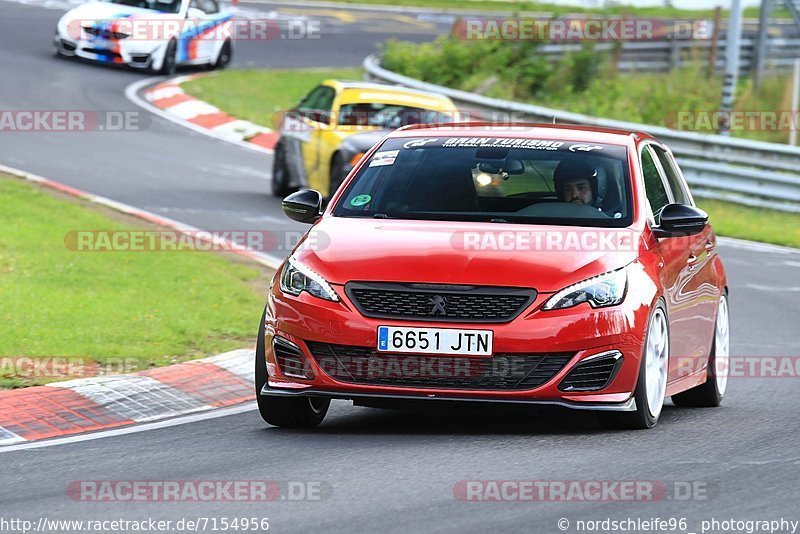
(141, 308)
(755, 224)
(585, 82)
(256, 94)
(544, 7)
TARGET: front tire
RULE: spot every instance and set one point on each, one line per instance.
(224, 57)
(170, 65)
(710, 393)
(337, 175)
(297, 412)
(651, 386)
(280, 173)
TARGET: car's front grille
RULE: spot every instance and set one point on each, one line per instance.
(508, 371)
(102, 52)
(593, 374)
(434, 302)
(290, 359)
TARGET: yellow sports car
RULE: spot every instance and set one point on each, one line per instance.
(310, 153)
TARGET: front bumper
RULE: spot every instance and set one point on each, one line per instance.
(582, 332)
(137, 55)
(627, 406)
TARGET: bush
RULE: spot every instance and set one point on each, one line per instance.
(583, 82)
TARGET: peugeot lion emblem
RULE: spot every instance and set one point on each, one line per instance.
(439, 303)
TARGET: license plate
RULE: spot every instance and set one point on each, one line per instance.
(435, 340)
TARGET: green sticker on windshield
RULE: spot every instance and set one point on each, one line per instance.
(360, 200)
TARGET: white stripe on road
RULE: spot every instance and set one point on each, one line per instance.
(7, 437)
(238, 129)
(187, 419)
(163, 92)
(191, 109)
(238, 362)
(135, 397)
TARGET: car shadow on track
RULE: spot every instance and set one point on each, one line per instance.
(469, 420)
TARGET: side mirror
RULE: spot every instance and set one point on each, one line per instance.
(680, 220)
(304, 206)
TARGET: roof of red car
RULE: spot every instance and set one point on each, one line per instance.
(527, 130)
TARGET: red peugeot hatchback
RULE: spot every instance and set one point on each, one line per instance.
(530, 264)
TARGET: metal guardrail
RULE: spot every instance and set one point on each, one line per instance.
(752, 173)
(664, 55)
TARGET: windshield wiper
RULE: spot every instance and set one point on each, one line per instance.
(380, 216)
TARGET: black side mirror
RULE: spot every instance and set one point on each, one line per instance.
(681, 220)
(304, 206)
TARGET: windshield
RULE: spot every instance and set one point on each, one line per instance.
(164, 6)
(493, 180)
(388, 116)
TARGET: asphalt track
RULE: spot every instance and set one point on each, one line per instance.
(382, 471)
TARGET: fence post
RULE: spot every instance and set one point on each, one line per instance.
(795, 102)
(733, 42)
(714, 52)
(674, 53)
(761, 42)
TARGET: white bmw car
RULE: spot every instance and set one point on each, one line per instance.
(154, 35)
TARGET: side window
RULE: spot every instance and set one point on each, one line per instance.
(206, 6)
(673, 179)
(653, 185)
(318, 104)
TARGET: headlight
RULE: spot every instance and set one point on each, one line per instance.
(605, 290)
(297, 278)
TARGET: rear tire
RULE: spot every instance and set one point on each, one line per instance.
(297, 412)
(652, 382)
(280, 173)
(710, 393)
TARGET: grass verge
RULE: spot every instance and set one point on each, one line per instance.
(587, 82)
(143, 309)
(755, 224)
(249, 93)
(256, 94)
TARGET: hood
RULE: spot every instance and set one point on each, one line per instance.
(362, 142)
(351, 249)
(109, 11)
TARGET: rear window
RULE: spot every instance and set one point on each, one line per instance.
(512, 180)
